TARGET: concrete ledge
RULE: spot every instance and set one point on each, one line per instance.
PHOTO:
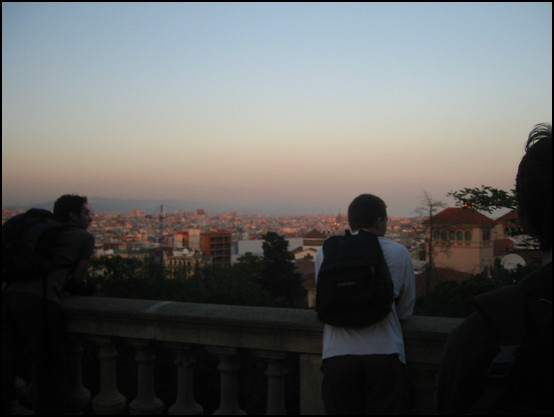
(282, 329)
(267, 328)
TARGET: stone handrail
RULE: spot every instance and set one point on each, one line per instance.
(271, 332)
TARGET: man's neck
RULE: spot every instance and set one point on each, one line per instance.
(373, 230)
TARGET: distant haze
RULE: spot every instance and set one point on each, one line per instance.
(114, 205)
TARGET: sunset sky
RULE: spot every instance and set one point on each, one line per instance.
(291, 108)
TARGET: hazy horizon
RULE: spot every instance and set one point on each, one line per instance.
(292, 108)
(153, 206)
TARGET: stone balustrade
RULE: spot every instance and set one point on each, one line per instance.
(273, 334)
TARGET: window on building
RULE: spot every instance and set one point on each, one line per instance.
(459, 235)
(452, 235)
(468, 236)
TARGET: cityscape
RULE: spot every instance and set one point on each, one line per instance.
(205, 135)
(466, 242)
(139, 230)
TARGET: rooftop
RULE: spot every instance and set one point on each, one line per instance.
(459, 216)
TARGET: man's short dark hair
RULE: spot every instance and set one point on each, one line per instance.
(68, 203)
(364, 211)
(534, 184)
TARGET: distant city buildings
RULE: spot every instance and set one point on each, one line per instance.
(464, 241)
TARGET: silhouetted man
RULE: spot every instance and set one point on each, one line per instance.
(34, 324)
(499, 361)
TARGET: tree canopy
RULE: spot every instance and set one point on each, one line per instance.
(257, 281)
(453, 298)
(485, 198)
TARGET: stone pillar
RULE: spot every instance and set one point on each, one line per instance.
(275, 381)
(22, 389)
(311, 378)
(109, 400)
(185, 403)
(424, 380)
(78, 397)
(228, 366)
(146, 402)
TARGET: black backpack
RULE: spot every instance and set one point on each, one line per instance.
(26, 242)
(520, 373)
(354, 286)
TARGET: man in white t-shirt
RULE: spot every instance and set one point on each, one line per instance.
(364, 367)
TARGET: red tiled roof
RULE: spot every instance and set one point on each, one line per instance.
(502, 247)
(507, 218)
(314, 234)
(306, 269)
(459, 216)
(304, 266)
(441, 274)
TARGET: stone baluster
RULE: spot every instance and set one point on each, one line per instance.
(185, 403)
(109, 400)
(22, 390)
(275, 373)
(228, 367)
(424, 380)
(20, 385)
(146, 402)
(310, 384)
(78, 397)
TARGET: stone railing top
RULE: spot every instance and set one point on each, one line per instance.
(121, 308)
(283, 329)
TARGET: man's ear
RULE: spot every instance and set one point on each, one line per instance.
(74, 217)
(381, 225)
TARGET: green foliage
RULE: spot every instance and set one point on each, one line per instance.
(219, 285)
(277, 274)
(106, 268)
(501, 276)
(131, 278)
(485, 198)
(255, 281)
(249, 265)
(453, 298)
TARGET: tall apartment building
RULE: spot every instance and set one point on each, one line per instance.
(187, 239)
(215, 244)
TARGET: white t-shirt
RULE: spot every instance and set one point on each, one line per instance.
(384, 337)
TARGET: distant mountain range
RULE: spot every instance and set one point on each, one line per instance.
(152, 206)
(147, 206)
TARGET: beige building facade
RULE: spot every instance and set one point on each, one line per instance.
(462, 239)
